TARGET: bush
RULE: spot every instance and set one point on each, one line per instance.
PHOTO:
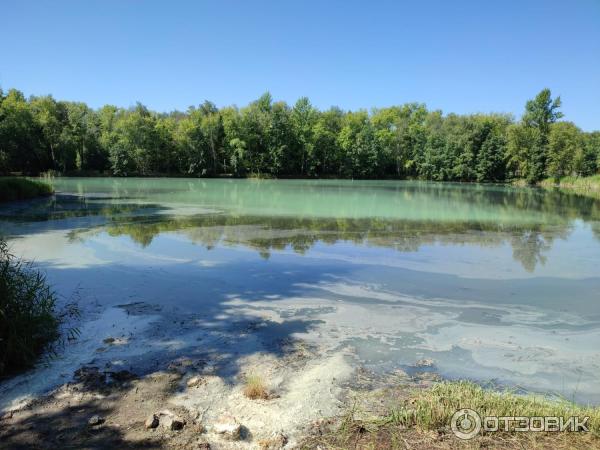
(22, 189)
(28, 319)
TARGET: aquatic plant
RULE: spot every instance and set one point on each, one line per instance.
(29, 322)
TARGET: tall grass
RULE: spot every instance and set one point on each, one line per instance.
(421, 419)
(433, 408)
(29, 322)
(581, 185)
(13, 188)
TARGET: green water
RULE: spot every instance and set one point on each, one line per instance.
(489, 282)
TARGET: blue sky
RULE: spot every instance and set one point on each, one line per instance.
(459, 56)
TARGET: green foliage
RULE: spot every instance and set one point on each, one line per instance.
(19, 136)
(542, 111)
(526, 152)
(528, 148)
(12, 188)
(566, 150)
(359, 147)
(272, 139)
(28, 320)
(591, 161)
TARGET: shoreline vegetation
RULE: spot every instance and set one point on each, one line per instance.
(29, 321)
(421, 418)
(16, 188)
(588, 186)
(265, 140)
(271, 139)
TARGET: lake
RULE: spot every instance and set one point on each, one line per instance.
(487, 282)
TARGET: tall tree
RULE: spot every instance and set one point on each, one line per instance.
(211, 127)
(304, 117)
(82, 133)
(51, 117)
(20, 148)
(526, 151)
(327, 152)
(542, 111)
(528, 147)
(565, 147)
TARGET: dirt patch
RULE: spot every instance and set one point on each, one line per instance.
(106, 410)
(62, 419)
(316, 402)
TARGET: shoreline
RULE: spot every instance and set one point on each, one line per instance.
(311, 391)
(312, 402)
(586, 186)
(20, 188)
(183, 343)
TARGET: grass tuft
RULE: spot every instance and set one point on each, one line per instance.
(255, 388)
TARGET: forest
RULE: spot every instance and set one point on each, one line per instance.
(273, 139)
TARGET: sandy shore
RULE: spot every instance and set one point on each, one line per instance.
(102, 397)
(103, 408)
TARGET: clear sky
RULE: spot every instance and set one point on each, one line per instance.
(456, 55)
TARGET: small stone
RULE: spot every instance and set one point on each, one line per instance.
(229, 427)
(194, 381)
(170, 421)
(203, 446)
(173, 423)
(151, 421)
(95, 420)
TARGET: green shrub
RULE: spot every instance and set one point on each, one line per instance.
(28, 319)
(21, 189)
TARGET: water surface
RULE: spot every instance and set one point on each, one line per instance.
(484, 282)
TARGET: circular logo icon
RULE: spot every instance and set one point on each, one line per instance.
(466, 423)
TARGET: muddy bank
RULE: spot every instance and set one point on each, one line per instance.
(146, 375)
(105, 409)
(155, 365)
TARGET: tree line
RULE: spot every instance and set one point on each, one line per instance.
(271, 138)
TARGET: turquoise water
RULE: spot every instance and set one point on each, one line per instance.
(487, 282)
